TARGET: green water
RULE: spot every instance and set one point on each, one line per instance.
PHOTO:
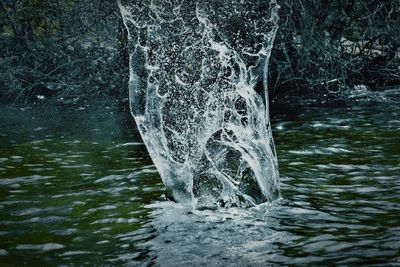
(72, 187)
(75, 189)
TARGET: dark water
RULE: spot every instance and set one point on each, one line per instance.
(78, 188)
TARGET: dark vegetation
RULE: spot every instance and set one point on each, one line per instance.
(72, 51)
(324, 47)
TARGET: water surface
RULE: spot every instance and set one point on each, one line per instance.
(77, 187)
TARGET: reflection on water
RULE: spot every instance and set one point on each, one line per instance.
(72, 186)
(78, 188)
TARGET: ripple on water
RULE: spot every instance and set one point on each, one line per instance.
(42, 247)
(24, 180)
(110, 178)
(340, 187)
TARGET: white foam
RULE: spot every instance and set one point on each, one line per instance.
(192, 92)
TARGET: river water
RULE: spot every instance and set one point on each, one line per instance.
(77, 187)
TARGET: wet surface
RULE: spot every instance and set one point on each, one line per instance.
(78, 188)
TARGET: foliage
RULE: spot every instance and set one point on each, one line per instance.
(325, 46)
(65, 48)
(74, 49)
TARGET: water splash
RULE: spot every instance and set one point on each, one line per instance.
(197, 89)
